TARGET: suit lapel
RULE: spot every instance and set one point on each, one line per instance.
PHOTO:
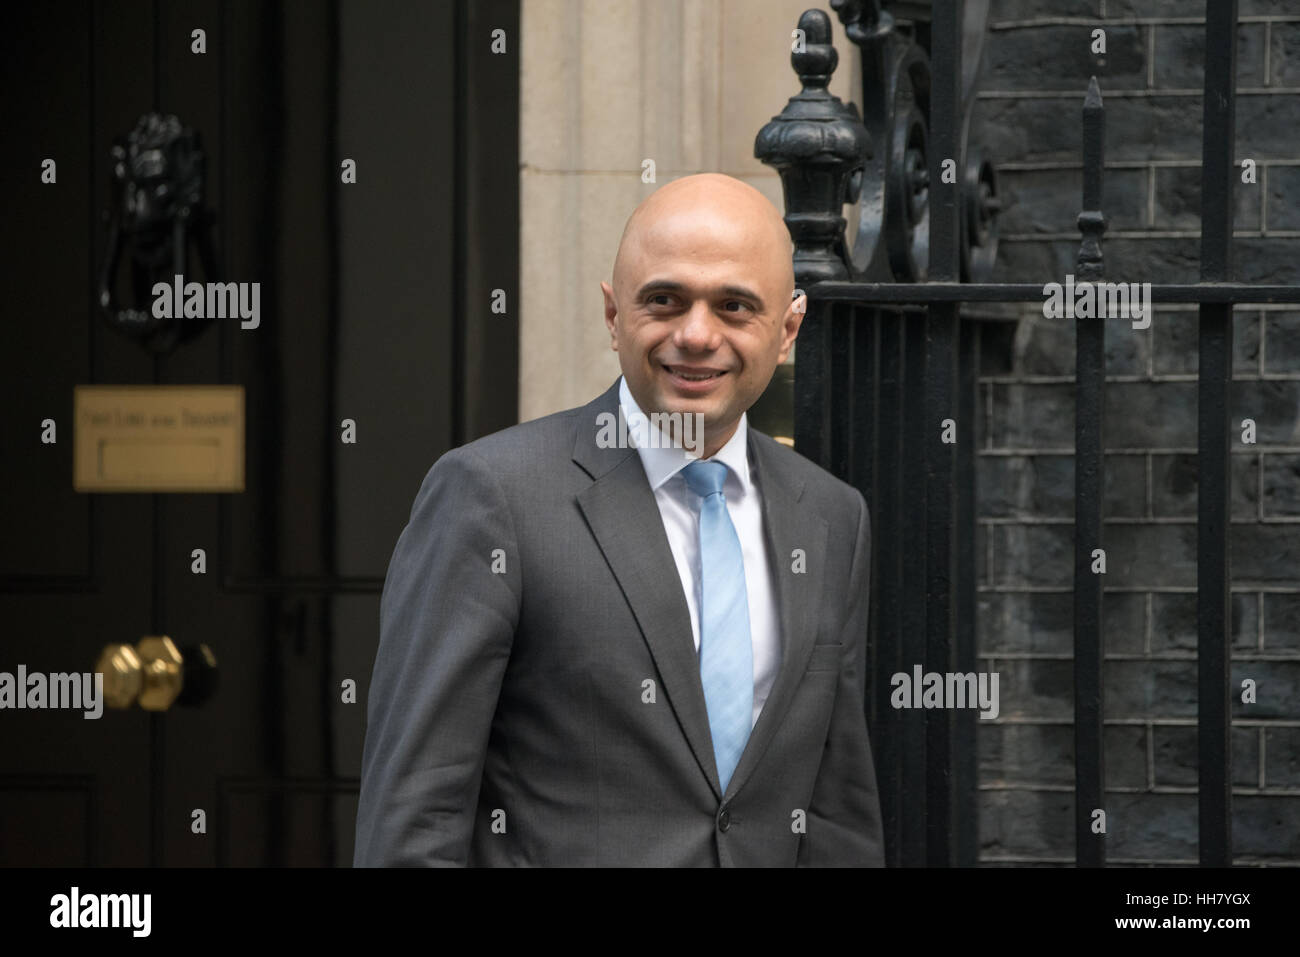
(623, 516)
(788, 524)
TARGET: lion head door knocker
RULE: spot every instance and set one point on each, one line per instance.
(156, 213)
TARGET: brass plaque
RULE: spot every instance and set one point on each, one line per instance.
(158, 438)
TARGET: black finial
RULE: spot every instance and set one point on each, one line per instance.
(817, 60)
(819, 146)
(1092, 221)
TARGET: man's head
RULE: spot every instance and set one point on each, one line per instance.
(702, 286)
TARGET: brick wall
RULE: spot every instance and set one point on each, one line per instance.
(1036, 69)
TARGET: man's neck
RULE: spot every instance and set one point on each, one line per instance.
(713, 445)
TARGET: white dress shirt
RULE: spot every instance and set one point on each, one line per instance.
(680, 509)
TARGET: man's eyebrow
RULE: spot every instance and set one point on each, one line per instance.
(671, 285)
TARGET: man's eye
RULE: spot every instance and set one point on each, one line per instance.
(654, 300)
(735, 302)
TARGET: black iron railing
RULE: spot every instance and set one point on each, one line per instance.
(885, 381)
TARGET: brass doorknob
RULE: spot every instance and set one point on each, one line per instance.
(156, 674)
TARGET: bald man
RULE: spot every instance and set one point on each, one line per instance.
(634, 633)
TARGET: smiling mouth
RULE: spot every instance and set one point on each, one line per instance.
(695, 375)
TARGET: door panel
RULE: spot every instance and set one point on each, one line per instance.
(367, 312)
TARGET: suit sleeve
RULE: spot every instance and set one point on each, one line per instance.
(843, 826)
(447, 621)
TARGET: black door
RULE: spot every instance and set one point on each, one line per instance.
(375, 309)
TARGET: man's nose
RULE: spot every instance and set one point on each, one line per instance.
(699, 328)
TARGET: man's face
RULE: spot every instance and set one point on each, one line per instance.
(701, 313)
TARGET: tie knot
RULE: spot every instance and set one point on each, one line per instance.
(705, 478)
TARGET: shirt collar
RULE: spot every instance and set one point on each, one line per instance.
(663, 463)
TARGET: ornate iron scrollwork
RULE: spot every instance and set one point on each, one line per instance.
(888, 178)
(156, 212)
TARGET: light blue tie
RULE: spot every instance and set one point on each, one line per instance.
(726, 655)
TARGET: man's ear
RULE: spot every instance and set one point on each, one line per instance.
(790, 324)
(611, 314)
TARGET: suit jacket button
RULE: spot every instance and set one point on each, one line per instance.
(724, 819)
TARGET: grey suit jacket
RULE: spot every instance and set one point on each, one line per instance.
(536, 696)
